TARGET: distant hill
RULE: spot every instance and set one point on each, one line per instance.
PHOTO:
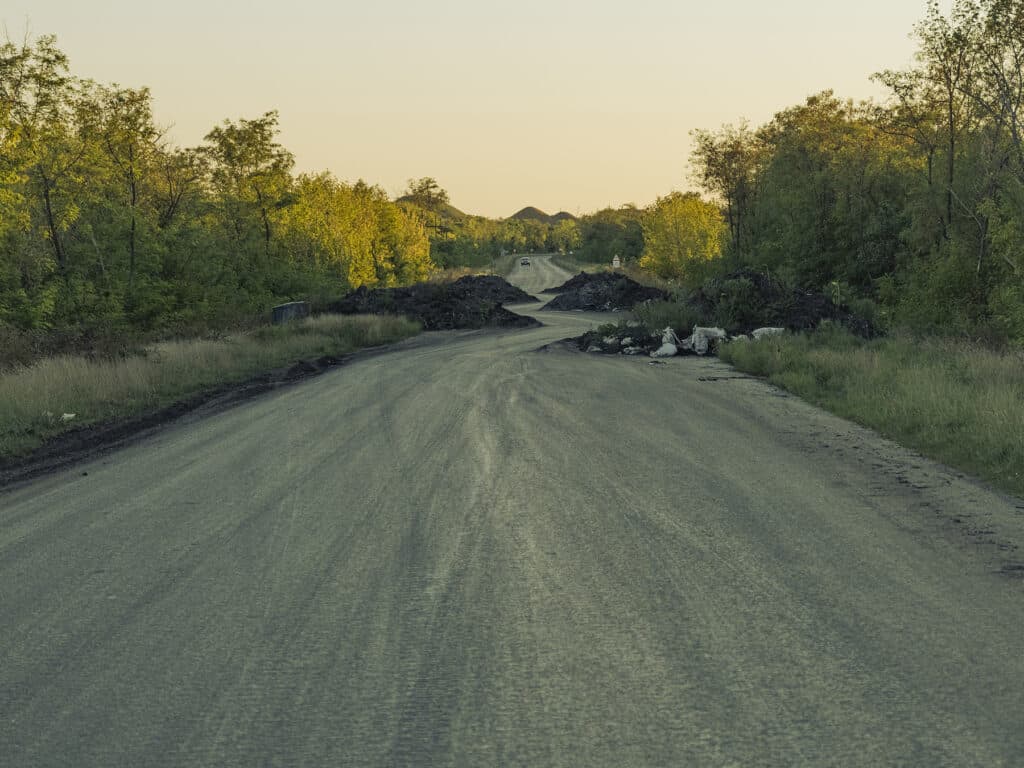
(536, 214)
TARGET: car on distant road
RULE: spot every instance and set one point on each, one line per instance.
(524, 262)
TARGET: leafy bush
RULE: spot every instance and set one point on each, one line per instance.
(678, 315)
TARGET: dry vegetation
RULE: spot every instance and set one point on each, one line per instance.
(34, 398)
(950, 400)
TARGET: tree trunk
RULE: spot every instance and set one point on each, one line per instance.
(133, 192)
(51, 224)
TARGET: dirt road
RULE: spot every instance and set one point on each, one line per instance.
(471, 553)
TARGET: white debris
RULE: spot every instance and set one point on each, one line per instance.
(702, 338)
(761, 333)
(628, 341)
(633, 351)
(669, 344)
(740, 337)
(66, 417)
(611, 341)
(666, 350)
(594, 348)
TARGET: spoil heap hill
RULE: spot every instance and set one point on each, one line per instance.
(529, 213)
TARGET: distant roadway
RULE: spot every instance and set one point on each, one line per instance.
(466, 552)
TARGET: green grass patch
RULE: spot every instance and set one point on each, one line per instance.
(33, 398)
(949, 400)
(655, 316)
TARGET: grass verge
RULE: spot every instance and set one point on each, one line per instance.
(34, 398)
(677, 315)
(946, 399)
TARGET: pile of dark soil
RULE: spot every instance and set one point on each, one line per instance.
(474, 301)
(601, 292)
(746, 299)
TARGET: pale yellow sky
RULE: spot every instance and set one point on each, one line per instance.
(564, 104)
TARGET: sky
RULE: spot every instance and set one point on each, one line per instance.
(561, 104)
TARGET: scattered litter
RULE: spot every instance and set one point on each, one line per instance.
(669, 344)
(702, 338)
(66, 417)
(762, 333)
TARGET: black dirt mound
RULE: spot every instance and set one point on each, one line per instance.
(601, 292)
(746, 299)
(470, 302)
(494, 288)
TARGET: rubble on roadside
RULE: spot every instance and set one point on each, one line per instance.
(633, 339)
(473, 301)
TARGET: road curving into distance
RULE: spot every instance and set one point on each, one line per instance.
(470, 553)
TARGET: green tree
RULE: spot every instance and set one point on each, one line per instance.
(120, 121)
(683, 235)
(564, 236)
(36, 93)
(725, 164)
(427, 193)
(250, 172)
(612, 232)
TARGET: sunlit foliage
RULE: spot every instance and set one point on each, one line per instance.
(105, 224)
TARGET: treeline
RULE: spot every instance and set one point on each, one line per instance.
(104, 223)
(458, 239)
(916, 204)
(462, 240)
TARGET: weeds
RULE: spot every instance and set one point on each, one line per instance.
(656, 315)
(34, 398)
(950, 400)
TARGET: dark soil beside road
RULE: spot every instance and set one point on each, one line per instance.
(474, 301)
(601, 292)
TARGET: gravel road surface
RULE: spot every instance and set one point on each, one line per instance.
(470, 553)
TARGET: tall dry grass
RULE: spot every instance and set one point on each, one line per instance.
(950, 400)
(34, 398)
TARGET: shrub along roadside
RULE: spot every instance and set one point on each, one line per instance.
(947, 399)
(34, 398)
